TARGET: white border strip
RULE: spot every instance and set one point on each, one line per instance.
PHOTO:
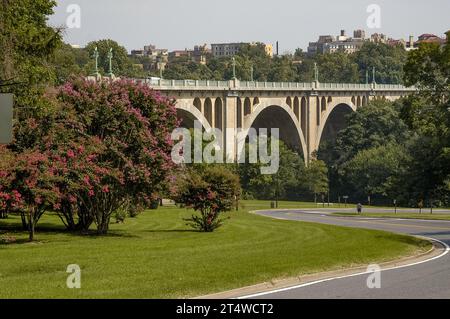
(446, 251)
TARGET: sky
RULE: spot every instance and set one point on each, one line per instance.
(180, 24)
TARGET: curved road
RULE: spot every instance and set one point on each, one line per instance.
(426, 280)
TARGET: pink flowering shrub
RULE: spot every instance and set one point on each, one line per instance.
(31, 188)
(211, 191)
(10, 199)
(132, 125)
(103, 146)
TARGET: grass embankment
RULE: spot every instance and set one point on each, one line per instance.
(402, 215)
(157, 256)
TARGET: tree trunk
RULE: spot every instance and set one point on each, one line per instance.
(24, 220)
(31, 225)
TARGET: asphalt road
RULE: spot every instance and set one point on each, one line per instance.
(427, 280)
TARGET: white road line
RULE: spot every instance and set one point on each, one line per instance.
(446, 251)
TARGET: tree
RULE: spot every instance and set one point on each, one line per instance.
(32, 185)
(121, 64)
(26, 43)
(372, 171)
(428, 68)
(10, 199)
(374, 125)
(288, 183)
(337, 67)
(427, 114)
(132, 125)
(388, 61)
(317, 178)
(69, 62)
(212, 191)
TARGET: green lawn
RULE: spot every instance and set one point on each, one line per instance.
(157, 256)
(399, 215)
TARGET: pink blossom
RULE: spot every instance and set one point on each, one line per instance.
(86, 180)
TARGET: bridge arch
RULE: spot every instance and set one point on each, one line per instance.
(304, 116)
(269, 115)
(218, 113)
(198, 104)
(297, 108)
(334, 120)
(323, 104)
(188, 113)
(239, 113)
(289, 101)
(247, 106)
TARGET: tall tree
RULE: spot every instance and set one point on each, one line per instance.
(26, 43)
(387, 60)
(337, 67)
(428, 114)
(121, 64)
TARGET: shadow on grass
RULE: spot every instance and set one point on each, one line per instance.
(181, 231)
(405, 239)
(8, 234)
(20, 241)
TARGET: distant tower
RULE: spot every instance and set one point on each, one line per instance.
(277, 49)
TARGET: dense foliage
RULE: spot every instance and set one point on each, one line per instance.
(293, 181)
(399, 151)
(211, 190)
(333, 67)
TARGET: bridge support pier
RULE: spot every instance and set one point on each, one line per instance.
(313, 122)
(230, 128)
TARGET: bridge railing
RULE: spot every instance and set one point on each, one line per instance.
(213, 84)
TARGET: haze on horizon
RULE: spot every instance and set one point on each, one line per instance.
(179, 24)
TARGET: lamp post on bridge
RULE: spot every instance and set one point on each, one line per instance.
(95, 56)
(316, 73)
(373, 76)
(110, 57)
(251, 73)
(367, 76)
(234, 68)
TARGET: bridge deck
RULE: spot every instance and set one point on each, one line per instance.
(269, 86)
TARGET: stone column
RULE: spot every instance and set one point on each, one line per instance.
(312, 125)
(230, 126)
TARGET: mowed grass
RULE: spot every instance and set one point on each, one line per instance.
(426, 216)
(157, 256)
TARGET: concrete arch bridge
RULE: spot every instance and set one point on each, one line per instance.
(305, 113)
